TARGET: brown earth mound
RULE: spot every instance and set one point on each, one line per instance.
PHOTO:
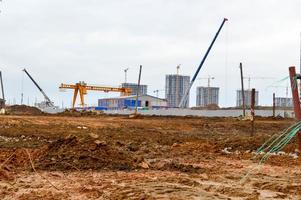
(23, 110)
(73, 154)
(76, 113)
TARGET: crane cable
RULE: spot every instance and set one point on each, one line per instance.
(273, 146)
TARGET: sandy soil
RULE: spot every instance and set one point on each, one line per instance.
(114, 157)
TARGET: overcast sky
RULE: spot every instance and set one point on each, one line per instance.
(94, 40)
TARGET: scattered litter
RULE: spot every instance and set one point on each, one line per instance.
(225, 150)
(82, 127)
(93, 135)
(144, 165)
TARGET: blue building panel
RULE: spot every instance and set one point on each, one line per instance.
(131, 103)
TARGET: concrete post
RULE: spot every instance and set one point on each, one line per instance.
(296, 100)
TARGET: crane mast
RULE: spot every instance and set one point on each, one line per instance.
(47, 100)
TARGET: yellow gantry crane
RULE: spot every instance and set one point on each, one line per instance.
(82, 88)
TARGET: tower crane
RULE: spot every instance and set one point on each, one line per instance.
(125, 74)
(208, 79)
(48, 102)
(81, 87)
(252, 78)
(157, 92)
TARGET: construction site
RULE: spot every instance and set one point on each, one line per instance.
(151, 135)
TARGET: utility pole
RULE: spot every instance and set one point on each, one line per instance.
(2, 104)
(125, 74)
(177, 85)
(242, 90)
(2, 87)
(138, 88)
(296, 99)
(274, 105)
(22, 98)
(253, 110)
(300, 68)
(286, 101)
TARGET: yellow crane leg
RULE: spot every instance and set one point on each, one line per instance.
(81, 94)
(74, 97)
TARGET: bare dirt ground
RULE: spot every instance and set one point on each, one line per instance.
(114, 157)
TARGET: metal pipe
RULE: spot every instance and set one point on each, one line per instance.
(253, 110)
(242, 91)
(184, 99)
(2, 87)
(274, 105)
(138, 88)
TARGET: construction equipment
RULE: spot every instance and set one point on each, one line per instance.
(253, 78)
(208, 80)
(125, 74)
(2, 100)
(184, 99)
(48, 102)
(81, 87)
(157, 92)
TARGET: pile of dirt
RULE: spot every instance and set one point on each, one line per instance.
(208, 107)
(173, 166)
(23, 110)
(77, 113)
(72, 154)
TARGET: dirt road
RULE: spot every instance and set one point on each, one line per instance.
(113, 157)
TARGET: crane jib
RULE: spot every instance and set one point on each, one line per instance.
(48, 101)
(183, 100)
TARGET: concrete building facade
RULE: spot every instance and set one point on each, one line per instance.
(247, 94)
(134, 88)
(206, 96)
(175, 88)
(283, 102)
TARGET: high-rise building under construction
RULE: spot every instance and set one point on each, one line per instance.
(207, 96)
(134, 88)
(247, 94)
(175, 88)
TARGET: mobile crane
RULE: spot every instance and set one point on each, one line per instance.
(81, 87)
(48, 102)
(185, 96)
